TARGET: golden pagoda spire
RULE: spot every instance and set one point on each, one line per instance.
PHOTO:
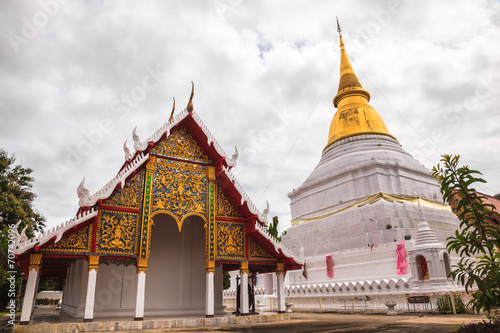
(354, 116)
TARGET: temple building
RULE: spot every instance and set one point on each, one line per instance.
(157, 238)
(370, 217)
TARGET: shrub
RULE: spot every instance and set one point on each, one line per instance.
(444, 304)
(491, 326)
(47, 301)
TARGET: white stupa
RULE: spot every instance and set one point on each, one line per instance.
(361, 201)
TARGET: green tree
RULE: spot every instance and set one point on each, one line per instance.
(272, 228)
(16, 205)
(477, 241)
(226, 282)
(50, 285)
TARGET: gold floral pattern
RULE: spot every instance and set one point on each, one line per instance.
(179, 188)
(130, 195)
(180, 144)
(225, 208)
(257, 252)
(77, 242)
(230, 240)
(117, 232)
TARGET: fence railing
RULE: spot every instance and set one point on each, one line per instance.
(373, 303)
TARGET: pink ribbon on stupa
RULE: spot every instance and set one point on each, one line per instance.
(401, 254)
(329, 265)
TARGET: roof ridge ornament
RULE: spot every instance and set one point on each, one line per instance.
(190, 106)
(83, 194)
(232, 161)
(265, 212)
(137, 140)
(172, 113)
(128, 155)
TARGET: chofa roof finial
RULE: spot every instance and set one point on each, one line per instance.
(172, 113)
(190, 107)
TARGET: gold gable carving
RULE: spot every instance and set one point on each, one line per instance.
(117, 232)
(230, 240)
(79, 241)
(257, 252)
(130, 195)
(179, 188)
(225, 208)
(180, 144)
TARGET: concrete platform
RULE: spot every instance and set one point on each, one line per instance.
(48, 320)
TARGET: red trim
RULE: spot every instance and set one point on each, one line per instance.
(64, 256)
(265, 263)
(229, 262)
(230, 219)
(120, 209)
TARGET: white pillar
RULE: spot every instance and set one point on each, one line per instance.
(36, 292)
(31, 288)
(90, 298)
(244, 288)
(142, 264)
(280, 279)
(209, 290)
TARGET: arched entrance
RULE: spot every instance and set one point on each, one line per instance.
(423, 270)
(175, 282)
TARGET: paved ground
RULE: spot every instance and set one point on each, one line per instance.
(338, 322)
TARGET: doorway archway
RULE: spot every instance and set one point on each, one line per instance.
(175, 281)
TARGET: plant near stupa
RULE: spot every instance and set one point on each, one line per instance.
(272, 228)
(478, 239)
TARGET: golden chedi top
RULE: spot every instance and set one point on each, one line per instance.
(354, 115)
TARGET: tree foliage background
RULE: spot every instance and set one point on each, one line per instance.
(16, 204)
(272, 228)
(478, 239)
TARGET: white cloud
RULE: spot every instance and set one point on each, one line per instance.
(263, 80)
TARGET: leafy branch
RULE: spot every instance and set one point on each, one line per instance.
(477, 241)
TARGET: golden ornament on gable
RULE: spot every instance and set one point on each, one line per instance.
(117, 232)
(224, 207)
(179, 188)
(77, 242)
(130, 195)
(257, 252)
(180, 144)
(230, 240)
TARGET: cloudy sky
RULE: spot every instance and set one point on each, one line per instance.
(77, 76)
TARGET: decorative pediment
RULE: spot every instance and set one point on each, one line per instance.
(179, 188)
(257, 252)
(225, 208)
(230, 240)
(117, 232)
(181, 145)
(79, 241)
(130, 195)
